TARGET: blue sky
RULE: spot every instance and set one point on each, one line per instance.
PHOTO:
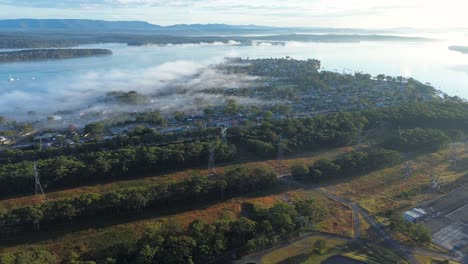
(310, 13)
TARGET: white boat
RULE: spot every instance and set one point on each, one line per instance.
(11, 79)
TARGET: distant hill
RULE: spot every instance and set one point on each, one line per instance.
(74, 25)
(462, 49)
(84, 25)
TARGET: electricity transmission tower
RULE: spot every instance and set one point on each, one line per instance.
(40, 144)
(211, 165)
(281, 145)
(435, 182)
(408, 169)
(454, 155)
(363, 135)
(38, 186)
(224, 134)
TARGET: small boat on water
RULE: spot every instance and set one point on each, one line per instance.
(11, 79)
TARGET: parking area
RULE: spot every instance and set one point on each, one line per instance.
(448, 220)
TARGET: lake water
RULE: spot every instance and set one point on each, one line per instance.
(45, 84)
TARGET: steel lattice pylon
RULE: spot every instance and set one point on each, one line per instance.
(38, 186)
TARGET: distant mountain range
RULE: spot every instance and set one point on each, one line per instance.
(60, 33)
(101, 26)
(84, 25)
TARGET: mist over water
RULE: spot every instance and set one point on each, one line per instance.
(75, 84)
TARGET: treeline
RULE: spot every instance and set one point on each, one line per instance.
(437, 115)
(354, 163)
(283, 68)
(50, 54)
(420, 233)
(417, 140)
(218, 242)
(239, 180)
(295, 135)
(140, 136)
(29, 257)
(61, 171)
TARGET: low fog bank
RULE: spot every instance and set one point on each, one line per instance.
(179, 85)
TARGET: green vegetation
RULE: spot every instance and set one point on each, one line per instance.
(132, 98)
(417, 140)
(350, 164)
(30, 257)
(199, 187)
(49, 54)
(419, 121)
(418, 231)
(102, 165)
(323, 131)
(202, 242)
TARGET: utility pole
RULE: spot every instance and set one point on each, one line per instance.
(211, 165)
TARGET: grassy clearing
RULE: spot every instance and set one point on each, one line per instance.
(340, 217)
(112, 234)
(302, 251)
(279, 167)
(97, 239)
(388, 189)
(429, 260)
(367, 232)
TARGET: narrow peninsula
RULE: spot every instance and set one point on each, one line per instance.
(462, 49)
(50, 54)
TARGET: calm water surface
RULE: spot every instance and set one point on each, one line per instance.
(430, 62)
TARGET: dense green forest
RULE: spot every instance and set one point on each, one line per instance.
(351, 164)
(50, 54)
(103, 165)
(201, 242)
(134, 200)
(417, 127)
(409, 128)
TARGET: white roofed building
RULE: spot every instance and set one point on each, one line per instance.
(414, 215)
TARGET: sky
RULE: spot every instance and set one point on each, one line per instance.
(304, 13)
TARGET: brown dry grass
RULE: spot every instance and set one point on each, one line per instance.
(381, 190)
(279, 167)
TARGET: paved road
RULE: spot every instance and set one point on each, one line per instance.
(404, 251)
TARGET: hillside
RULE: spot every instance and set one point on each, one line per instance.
(85, 25)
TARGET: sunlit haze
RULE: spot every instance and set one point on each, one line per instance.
(308, 13)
